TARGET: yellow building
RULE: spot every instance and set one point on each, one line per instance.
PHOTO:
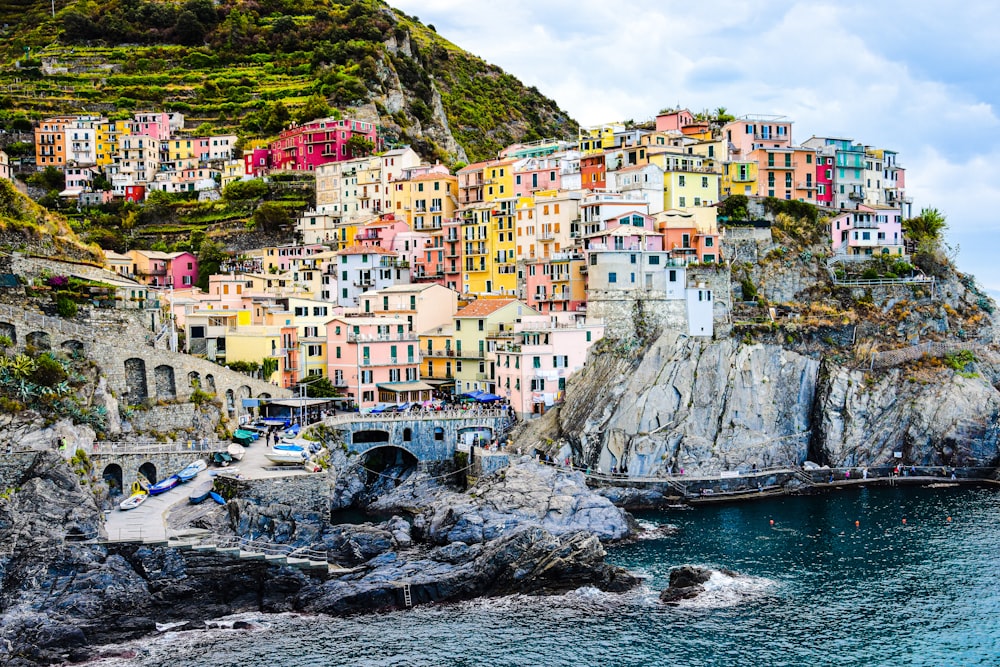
(473, 325)
(432, 198)
(688, 180)
(179, 149)
(437, 356)
(107, 140)
(739, 178)
(598, 138)
(255, 343)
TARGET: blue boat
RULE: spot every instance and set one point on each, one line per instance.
(200, 492)
(217, 498)
(191, 471)
(164, 485)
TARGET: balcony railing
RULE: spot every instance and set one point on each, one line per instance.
(381, 338)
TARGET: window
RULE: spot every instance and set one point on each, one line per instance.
(366, 377)
(654, 259)
(709, 241)
(704, 181)
(458, 325)
(482, 325)
(680, 180)
(612, 277)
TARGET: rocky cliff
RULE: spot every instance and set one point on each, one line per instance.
(835, 374)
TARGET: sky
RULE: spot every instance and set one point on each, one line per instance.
(908, 75)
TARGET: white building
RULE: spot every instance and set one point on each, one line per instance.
(359, 269)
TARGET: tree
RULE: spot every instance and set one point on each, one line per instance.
(928, 227)
(315, 107)
(321, 388)
(360, 146)
(210, 257)
(253, 189)
(270, 217)
(734, 207)
(189, 30)
(50, 179)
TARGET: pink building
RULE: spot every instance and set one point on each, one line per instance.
(164, 269)
(381, 232)
(533, 364)
(824, 179)
(534, 174)
(674, 120)
(870, 230)
(153, 124)
(305, 147)
(375, 360)
(257, 162)
(749, 133)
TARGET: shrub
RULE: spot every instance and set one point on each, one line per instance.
(66, 307)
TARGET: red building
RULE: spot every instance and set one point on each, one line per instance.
(305, 147)
(593, 172)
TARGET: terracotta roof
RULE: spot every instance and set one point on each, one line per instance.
(365, 250)
(430, 177)
(484, 307)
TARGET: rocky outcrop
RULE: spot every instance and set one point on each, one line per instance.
(686, 582)
(708, 406)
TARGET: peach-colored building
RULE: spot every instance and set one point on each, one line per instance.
(533, 364)
(375, 360)
(749, 133)
(423, 305)
(674, 120)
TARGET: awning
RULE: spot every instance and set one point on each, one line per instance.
(297, 402)
(405, 386)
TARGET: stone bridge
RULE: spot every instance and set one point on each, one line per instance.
(136, 372)
(428, 436)
(119, 464)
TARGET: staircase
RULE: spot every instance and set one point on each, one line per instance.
(247, 549)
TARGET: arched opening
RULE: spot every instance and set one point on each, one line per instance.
(9, 330)
(113, 478)
(163, 375)
(39, 340)
(438, 433)
(264, 395)
(407, 435)
(73, 348)
(210, 383)
(135, 381)
(369, 437)
(148, 470)
(386, 467)
(194, 380)
(230, 401)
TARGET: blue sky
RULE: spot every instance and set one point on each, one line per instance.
(909, 75)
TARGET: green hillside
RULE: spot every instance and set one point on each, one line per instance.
(251, 66)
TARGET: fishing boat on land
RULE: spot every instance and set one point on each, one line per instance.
(200, 492)
(287, 453)
(217, 498)
(236, 451)
(164, 485)
(133, 501)
(192, 470)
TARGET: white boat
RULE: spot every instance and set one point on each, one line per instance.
(236, 450)
(285, 453)
(133, 501)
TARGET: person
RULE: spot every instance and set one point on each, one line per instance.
(847, 475)
(753, 469)
(953, 473)
(864, 473)
(831, 478)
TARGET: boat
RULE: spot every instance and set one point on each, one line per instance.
(287, 453)
(292, 431)
(133, 501)
(192, 470)
(217, 498)
(244, 437)
(222, 458)
(164, 485)
(200, 491)
(236, 451)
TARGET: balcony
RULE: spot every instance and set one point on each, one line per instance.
(381, 338)
(439, 353)
(364, 284)
(808, 185)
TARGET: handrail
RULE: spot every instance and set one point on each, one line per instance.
(153, 447)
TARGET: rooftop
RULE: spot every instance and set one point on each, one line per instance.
(484, 307)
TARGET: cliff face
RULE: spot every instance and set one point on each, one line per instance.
(851, 377)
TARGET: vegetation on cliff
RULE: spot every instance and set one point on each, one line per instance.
(253, 65)
(24, 225)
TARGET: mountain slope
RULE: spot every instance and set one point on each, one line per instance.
(253, 65)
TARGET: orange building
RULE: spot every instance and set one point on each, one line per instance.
(50, 142)
(593, 172)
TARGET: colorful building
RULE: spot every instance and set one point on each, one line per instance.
(472, 326)
(868, 230)
(307, 146)
(164, 269)
(536, 359)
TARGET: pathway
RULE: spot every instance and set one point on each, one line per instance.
(148, 521)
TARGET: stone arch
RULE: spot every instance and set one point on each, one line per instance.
(381, 457)
(194, 380)
(148, 470)
(245, 392)
(438, 433)
(163, 375)
(407, 434)
(210, 383)
(230, 401)
(135, 381)
(370, 436)
(72, 347)
(40, 340)
(113, 477)
(9, 330)
(264, 395)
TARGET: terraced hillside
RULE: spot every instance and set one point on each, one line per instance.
(252, 65)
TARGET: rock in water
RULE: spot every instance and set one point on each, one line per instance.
(685, 583)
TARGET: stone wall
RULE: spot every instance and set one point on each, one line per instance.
(418, 435)
(308, 493)
(166, 463)
(195, 421)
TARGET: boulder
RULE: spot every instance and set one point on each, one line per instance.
(686, 582)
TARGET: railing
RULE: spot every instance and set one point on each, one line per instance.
(153, 447)
(381, 338)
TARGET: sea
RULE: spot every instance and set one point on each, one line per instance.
(863, 576)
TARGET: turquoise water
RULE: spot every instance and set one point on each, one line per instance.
(814, 590)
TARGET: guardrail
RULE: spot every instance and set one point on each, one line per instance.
(153, 447)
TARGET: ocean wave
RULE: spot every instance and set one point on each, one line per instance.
(655, 531)
(728, 590)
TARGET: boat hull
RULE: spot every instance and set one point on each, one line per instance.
(200, 493)
(164, 485)
(191, 471)
(132, 501)
(217, 498)
(292, 456)
(236, 451)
